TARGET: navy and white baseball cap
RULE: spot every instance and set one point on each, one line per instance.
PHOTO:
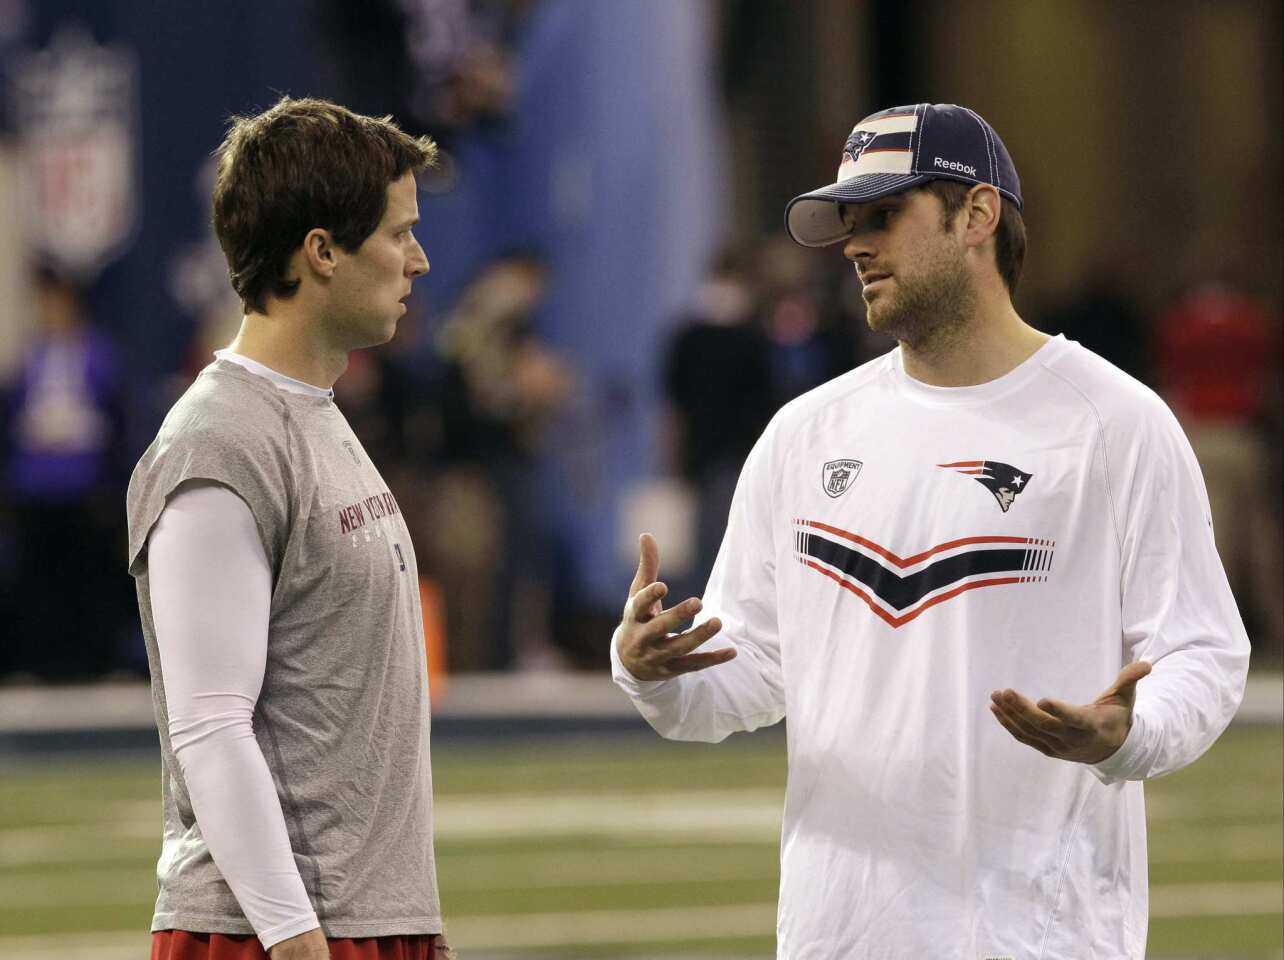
(896, 149)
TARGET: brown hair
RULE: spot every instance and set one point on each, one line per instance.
(1009, 235)
(300, 165)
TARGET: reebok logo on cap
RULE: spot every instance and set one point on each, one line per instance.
(957, 167)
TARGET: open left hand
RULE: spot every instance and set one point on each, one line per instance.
(1086, 734)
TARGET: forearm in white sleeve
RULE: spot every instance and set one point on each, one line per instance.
(709, 705)
(1178, 614)
(211, 593)
(748, 692)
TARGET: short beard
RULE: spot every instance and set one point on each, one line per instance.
(931, 313)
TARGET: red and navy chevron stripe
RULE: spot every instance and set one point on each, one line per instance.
(898, 589)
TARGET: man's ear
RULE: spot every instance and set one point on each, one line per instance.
(984, 207)
(319, 253)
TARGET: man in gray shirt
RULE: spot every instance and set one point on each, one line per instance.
(276, 579)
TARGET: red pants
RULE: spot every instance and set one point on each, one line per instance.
(181, 945)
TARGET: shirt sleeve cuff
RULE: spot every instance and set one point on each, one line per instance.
(635, 688)
(284, 931)
(1122, 763)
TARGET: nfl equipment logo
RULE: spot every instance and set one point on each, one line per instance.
(837, 476)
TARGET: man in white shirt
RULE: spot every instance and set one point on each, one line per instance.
(984, 521)
(276, 579)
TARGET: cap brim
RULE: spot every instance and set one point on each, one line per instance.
(813, 219)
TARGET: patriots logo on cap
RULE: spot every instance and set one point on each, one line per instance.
(880, 144)
(856, 144)
(1001, 479)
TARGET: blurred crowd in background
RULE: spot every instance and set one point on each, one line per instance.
(529, 431)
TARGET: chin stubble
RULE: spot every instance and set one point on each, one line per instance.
(928, 313)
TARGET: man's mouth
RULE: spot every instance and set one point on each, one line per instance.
(870, 283)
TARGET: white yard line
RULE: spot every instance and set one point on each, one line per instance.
(1217, 900)
(1234, 843)
(750, 815)
(29, 849)
(585, 928)
(463, 874)
(717, 815)
(112, 945)
(712, 816)
(542, 870)
(16, 896)
(105, 886)
(1260, 799)
(25, 845)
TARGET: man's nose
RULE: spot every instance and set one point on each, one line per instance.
(857, 247)
(418, 263)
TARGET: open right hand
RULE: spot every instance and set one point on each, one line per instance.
(311, 945)
(646, 639)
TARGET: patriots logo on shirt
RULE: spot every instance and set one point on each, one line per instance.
(1001, 479)
(856, 144)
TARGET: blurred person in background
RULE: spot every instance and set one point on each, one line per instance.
(63, 430)
(390, 405)
(450, 62)
(807, 342)
(718, 382)
(497, 393)
(985, 512)
(276, 578)
(376, 396)
(1217, 355)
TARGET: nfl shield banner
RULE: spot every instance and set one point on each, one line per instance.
(75, 104)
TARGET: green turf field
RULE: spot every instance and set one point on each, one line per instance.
(623, 847)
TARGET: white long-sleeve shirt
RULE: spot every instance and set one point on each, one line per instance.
(894, 553)
(211, 590)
